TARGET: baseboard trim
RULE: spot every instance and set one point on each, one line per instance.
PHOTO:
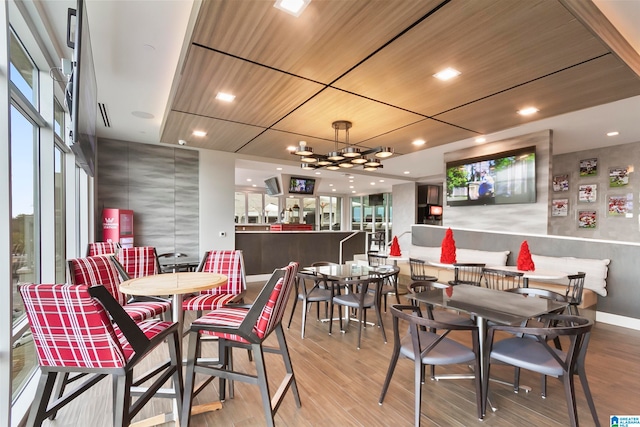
(617, 320)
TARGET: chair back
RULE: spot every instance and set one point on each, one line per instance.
(375, 259)
(98, 270)
(70, 328)
(419, 272)
(575, 288)
(102, 248)
(139, 261)
(467, 274)
(227, 262)
(273, 311)
(500, 279)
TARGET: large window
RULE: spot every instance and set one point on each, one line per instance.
(370, 217)
(330, 213)
(60, 217)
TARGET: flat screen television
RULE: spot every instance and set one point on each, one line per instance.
(273, 186)
(376, 199)
(298, 185)
(81, 92)
(502, 178)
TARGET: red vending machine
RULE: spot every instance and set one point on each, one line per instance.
(117, 226)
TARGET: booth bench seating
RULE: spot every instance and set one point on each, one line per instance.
(595, 280)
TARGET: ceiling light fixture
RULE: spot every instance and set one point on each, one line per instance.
(199, 133)
(614, 133)
(481, 139)
(226, 97)
(346, 157)
(419, 142)
(447, 74)
(292, 7)
(528, 111)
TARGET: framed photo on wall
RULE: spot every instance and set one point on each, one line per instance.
(620, 205)
(587, 193)
(561, 183)
(589, 167)
(587, 219)
(618, 177)
(559, 207)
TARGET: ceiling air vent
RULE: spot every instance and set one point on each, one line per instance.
(105, 115)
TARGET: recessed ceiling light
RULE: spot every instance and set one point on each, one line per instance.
(254, 185)
(614, 133)
(381, 180)
(278, 169)
(373, 183)
(419, 142)
(226, 97)
(351, 186)
(249, 179)
(406, 172)
(447, 74)
(330, 185)
(199, 133)
(353, 191)
(481, 139)
(318, 173)
(292, 7)
(528, 111)
(333, 189)
(291, 148)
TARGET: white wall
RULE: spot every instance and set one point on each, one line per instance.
(217, 198)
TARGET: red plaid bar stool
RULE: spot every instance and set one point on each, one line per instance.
(244, 327)
(102, 270)
(73, 332)
(227, 262)
(139, 261)
(102, 248)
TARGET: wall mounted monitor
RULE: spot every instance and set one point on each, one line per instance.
(435, 210)
(300, 185)
(273, 186)
(376, 199)
(500, 178)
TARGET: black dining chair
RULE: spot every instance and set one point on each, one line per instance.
(427, 343)
(311, 288)
(419, 272)
(357, 296)
(501, 279)
(529, 348)
(466, 273)
(575, 287)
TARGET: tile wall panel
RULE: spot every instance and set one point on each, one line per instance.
(160, 184)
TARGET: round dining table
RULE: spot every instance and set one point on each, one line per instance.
(176, 285)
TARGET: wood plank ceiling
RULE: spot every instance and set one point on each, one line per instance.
(371, 62)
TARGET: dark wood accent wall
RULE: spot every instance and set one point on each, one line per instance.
(265, 251)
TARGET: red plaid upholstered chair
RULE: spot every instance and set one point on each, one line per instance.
(102, 270)
(227, 262)
(102, 248)
(139, 261)
(73, 332)
(244, 327)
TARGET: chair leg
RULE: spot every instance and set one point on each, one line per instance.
(176, 360)
(59, 391)
(284, 350)
(380, 324)
(263, 383)
(587, 394)
(122, 398)
(392, 367)
(293, 310)
(570, 394)
(38, 411)
(360, 314)
(304, 316)
(417, 389)
(189, 378)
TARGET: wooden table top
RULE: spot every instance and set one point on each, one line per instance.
(172, 283)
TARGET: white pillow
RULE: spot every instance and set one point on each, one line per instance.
(596, 270)
(489, 258)
(430, 253)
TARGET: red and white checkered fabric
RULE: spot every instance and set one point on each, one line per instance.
(270, 316)
(72, 329)
(139, 261)
(231, 264)
(101, 270)
(102, 248)
(97, 270)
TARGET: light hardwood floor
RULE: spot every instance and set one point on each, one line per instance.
(340, 385)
